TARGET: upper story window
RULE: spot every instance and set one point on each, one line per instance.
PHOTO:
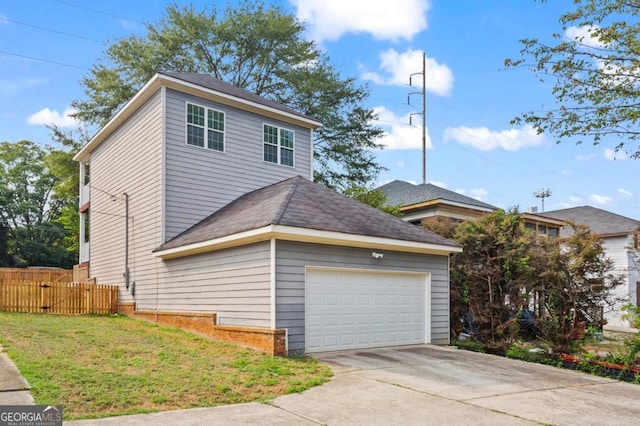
(278, 145)
(205, 127)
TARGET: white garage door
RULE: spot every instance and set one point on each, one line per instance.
(364, 309)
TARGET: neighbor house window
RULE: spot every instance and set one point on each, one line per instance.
(205, 127)
(278, 145)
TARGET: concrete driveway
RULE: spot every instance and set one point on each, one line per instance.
(428, 385)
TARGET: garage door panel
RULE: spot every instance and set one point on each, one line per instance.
(365, 309)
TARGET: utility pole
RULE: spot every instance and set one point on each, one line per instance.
(543, 193)
(423, 113)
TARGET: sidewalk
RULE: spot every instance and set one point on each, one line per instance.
(14, 389)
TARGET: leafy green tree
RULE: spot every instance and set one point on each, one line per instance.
(573, 276)
(373, 197)
(30, 207)
(256, 47)
(5, 258)
(595, 69)
(493, 273)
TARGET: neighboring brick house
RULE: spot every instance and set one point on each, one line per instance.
(200, 205)
(620, 237)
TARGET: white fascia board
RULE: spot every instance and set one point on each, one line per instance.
(466, 206)
(241, 238)
(290, 233)
(143, 94)
(287, 116)
(159, 80)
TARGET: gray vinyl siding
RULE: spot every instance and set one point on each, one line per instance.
(129, 160)
(234, 283)
(201, 181)
(292, 258)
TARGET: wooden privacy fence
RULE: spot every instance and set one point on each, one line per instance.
(58, 297)
(36, 274)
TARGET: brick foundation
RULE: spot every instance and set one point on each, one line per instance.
(265, 340)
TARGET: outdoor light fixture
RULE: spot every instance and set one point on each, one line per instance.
(377, 255)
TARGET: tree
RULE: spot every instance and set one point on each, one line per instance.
(574, 276)
(256, 47)
(372, 197)
(492, 275)
(596, 75)
(30, 207)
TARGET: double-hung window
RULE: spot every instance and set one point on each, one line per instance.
(205, 127)
(278, 145)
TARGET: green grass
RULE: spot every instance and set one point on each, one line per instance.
(108, 366)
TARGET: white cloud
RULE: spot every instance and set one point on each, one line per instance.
(625, 193)
(331, 19)
(611, 154)
(3, 19)
(401, 165)
(397, 67)
(599, 199)
(131, 25)
(477, 193)
(583, 35)
(399, 134)
(47, 116)
(485, 139)
(436, 183)
(25, 83)
(565, 172)
(575, 200)
(586, 157)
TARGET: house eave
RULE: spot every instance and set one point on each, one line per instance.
(305, 235)
(441, 201)
(160, 80)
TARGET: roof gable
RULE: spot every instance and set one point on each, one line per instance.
(601, 222)
(213, 83)
(403, 193)
(206, 87)
(300, 203)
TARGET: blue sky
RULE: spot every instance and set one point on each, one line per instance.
(46, 46)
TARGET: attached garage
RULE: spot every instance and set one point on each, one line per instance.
(354, 309)
(330, 272)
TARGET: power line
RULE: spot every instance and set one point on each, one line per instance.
(79, 6)
(50, 30)
(33, 58)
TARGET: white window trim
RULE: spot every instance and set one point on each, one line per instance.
(279, 146)
(206, 127)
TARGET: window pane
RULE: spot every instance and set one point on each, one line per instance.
(195, 115)
(195, 135)
(216, 120)
(270, 153)
(270, 135)
(286, 138)
(286, 157)
(215, 140)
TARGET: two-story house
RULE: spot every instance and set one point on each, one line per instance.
(425, 201)
(200, 205)
(620, 238)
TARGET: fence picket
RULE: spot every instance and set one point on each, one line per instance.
(57, 297)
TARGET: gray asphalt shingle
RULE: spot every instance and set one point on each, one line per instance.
(601, 222)
(403, 193)
(218, 85)
(298, 202)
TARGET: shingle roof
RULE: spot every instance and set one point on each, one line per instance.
(210, 82)
(403, 193)
(298, 202)
(601, 222)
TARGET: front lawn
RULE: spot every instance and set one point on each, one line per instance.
(98, 366)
